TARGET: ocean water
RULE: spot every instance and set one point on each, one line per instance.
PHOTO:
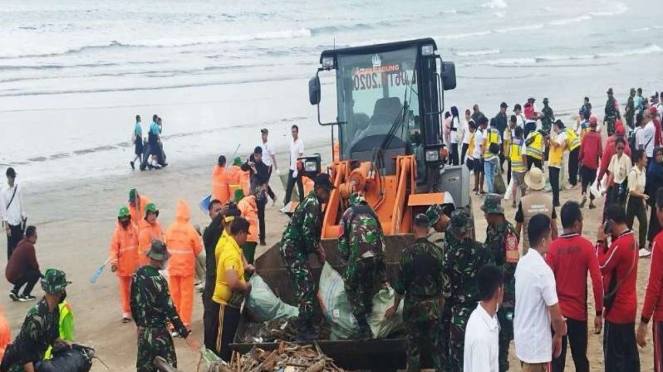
(74, 73)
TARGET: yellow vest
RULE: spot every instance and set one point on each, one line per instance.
(555, 156)
(572, 140)
(507, 141)
(516, 156)
(535, 148)
(492, 136)
(470, 146)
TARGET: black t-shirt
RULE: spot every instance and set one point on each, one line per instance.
(520, 218)
(211, 236)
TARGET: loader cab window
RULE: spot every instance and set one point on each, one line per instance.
(377, 93)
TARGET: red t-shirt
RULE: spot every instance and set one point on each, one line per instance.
(653, 299)
(620, 259)
(570, 257)
(591, 149)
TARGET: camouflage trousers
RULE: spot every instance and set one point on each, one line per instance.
(505, 317)
(154, 342)
(422, 317)
(444, 327)
(460, 314)
(362, 279)
(296, 263)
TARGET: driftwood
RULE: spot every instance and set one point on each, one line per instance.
(287, 357)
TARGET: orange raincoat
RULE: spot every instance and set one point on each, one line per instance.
(5, 333)
(220, 185)
(184, 245)
(124, 255)
(245, 181)
(249, 209)
(148, 232)
(138, 212)
(233, 178)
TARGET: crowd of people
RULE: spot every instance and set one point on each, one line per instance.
(464, 301)
(630, 158)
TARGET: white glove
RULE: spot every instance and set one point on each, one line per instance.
(278, 172)
(295, 173)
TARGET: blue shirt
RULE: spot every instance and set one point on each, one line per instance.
(138, 129)
(154, 128)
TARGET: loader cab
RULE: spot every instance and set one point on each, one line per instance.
(389, 103)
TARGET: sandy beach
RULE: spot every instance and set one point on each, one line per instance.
(75, 222)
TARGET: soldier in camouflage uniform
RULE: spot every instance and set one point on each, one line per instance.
(611, 112)
(462, 262)
(629, 112)
(420, 280)
(41, 328)
(152, 309)
(361, 246)
(547, 116)
(438, 216)
(502, 241)
(301, 238)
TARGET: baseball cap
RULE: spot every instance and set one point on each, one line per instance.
(517, 106)
(531, 99)
(504, 105)
(54, 281)
(264, 131)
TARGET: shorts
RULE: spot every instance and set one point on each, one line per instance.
(518, 178)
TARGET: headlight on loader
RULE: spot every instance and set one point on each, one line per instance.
(432, 155)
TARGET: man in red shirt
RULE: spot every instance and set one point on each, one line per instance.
(611, 149)
(23, 268)
(591, 149)
(653, 305)
(619, 266)
(570, 257)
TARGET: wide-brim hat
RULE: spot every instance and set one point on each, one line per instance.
(158, 251)
(535, 179)
(492, 204)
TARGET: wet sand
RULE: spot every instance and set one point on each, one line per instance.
(75, 222)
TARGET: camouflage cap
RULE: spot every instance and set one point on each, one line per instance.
(237, 161)
(54, 281)
(492, 204)
(124, 212)
(461, 222)
(434, 212)
(356, 199)
(158, 251)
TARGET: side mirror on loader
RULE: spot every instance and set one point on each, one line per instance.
(448, 75)
(314, 90)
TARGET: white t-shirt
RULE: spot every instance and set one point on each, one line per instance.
(267, 152)
(15, 214)
(478, 143)
(296, 150)
(455, 123)
(561, 138)
(535, 292)
(482, 343)
(520, 120)
(647, 138)
(659, 108)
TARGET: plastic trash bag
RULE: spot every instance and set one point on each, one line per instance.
(337, 310)
(382, 301)
(335, 306)
(70, 360)
(262, 304)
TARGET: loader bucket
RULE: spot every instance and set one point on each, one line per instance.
(271, 268)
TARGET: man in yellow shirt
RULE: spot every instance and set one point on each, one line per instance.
(231, 287)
